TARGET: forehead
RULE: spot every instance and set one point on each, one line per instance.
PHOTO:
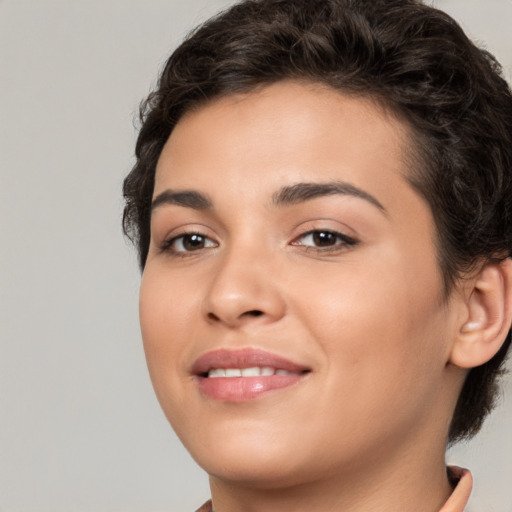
(277, 127)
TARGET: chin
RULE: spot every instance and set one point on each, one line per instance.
(250, 460)
(268, 474)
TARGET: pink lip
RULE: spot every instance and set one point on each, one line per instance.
(240, 389)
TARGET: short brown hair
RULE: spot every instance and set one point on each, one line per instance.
(412, 58)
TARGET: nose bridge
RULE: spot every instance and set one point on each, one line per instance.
(244, 286)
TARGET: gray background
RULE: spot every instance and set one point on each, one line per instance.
(80, 429)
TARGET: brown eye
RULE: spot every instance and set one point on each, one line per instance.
(324, 239)
(188, 242)
(193, 242)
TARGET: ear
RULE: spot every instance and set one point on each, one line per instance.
(487, 315)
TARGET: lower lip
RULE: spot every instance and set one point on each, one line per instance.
(242, 389)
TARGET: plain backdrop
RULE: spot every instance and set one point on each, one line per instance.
(80, 429)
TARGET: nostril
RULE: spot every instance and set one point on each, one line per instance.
(254, 312)
(212, 317)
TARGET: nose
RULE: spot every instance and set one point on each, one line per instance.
(244, 290)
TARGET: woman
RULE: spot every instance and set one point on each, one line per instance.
(321, 202)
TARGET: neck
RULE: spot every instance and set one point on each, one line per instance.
(413, 479)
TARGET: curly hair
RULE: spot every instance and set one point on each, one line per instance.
(413, 59)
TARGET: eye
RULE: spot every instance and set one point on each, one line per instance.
(324, 239)
(188, 242)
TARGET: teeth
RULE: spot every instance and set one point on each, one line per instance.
(254, 371)
(219, 372)
(233, 372)
(251, 372)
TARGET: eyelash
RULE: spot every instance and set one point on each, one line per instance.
(167, 245)
(344, 242)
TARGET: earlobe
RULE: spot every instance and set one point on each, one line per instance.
(487, 318)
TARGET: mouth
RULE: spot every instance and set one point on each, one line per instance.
(242, 375)
(254, 371)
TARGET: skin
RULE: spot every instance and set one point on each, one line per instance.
(366, 429)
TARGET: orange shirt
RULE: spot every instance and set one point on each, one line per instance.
(456, 503)
(460, 496)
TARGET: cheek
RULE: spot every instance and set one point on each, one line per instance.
(381, 328)
(165, 310)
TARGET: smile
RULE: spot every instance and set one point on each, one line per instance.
(255, 371)
(244, 374)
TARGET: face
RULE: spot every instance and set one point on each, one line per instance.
(291, 304)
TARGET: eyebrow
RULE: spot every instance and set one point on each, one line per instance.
(301, 192)
(287, 196)
(185, 198)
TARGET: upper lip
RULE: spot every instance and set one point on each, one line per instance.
(243, 358)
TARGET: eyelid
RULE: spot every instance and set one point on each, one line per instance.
(343, 241)
(166, 245)
(340, 234)
(346, 240)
